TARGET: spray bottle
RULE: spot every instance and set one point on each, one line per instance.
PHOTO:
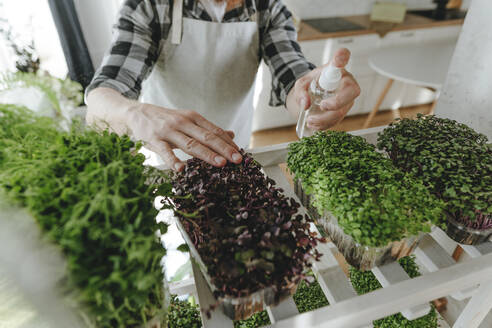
(320, 89)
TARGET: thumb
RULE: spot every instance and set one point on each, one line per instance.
(231, 134)
(341, 57)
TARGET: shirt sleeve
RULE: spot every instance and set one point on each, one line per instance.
(280, 50)
(134, 49)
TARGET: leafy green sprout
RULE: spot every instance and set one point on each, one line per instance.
(91, 196)
(61, 93)
(452, 160)
(365, 282)
(375, 203)
(185, 314)
(309, 297)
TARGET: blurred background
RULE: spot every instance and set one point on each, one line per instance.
(70, 38)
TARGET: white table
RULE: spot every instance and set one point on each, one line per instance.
(425, 65)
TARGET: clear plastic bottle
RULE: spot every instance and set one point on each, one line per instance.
(321, 88)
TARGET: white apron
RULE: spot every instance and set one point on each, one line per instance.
(210, 68)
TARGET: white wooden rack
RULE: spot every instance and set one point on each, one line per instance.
(468, 282)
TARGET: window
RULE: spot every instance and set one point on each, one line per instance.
(32, 20)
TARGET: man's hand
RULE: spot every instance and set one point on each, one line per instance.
(336, 107)
(164, 129)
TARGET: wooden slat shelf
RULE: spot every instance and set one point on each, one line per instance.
(442, 277)
(393, 273)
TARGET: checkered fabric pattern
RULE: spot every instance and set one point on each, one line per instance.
(144, 25)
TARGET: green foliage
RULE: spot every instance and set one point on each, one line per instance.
(374, 202)
(452, 160)
(408, 264)
(183, 248)
(256, 320)
(183, 314)
(309, 297)
(399, 321)
(60, 92)
(91, 196)
(365, 282)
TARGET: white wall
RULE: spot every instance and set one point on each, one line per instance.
(306, 9)
(6, 57)
(467, 92)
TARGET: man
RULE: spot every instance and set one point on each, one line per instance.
(193, 64)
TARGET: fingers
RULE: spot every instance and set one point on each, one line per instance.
(348, 91)
(206, 124)
(335, 107)
(212, 141)
(341, 57)
(194, 148)
(165, 151)
(328, 119)
(301, 88)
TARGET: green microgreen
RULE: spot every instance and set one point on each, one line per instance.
(90, 194)
(375, 203)
(309, 296)
(365, 282)
(183, 314)
(259, 319)
(61, 93)
(452, 160)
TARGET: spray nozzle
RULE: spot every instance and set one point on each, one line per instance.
(330, 77)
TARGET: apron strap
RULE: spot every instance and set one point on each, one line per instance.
(177, 28)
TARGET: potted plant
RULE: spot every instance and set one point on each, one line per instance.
(372, 211)
(246, 236)
(91, 196)
(455, 164)
(365, 282)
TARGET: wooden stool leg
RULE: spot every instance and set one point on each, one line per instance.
(396, 111)
(434, 103)
(457, 253)
(378, 103)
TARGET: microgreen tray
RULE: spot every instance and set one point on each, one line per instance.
(465, 235)
(238, 308)
(359, 256)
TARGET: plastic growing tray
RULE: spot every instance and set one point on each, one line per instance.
(359, 256)
(238, 308)
(467, 236)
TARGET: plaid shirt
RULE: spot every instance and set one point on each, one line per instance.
(144, 25)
